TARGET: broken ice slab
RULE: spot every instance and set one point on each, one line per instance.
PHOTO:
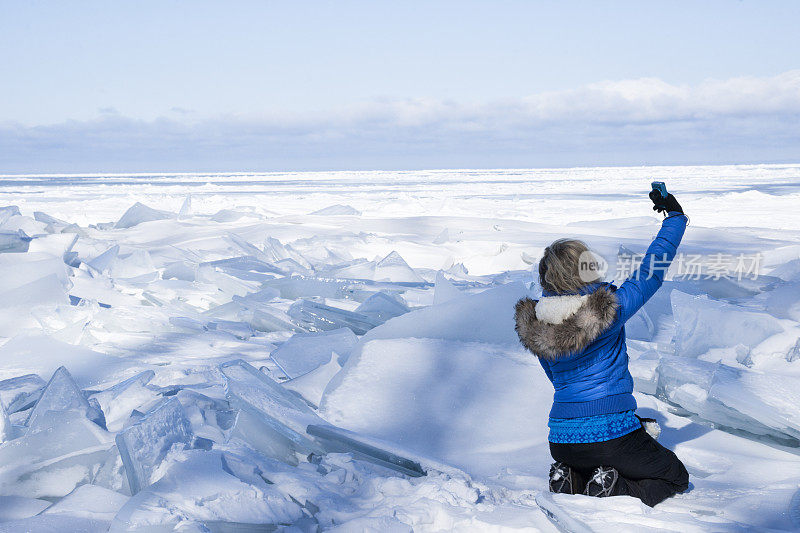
(62, 394)
(297, 287)
(243, 263)
(53, 461)
(7, 431)
(119, 401)
(187, 323)
(739, 398)
(382, 306)
(14, 241)
(102, 262)
(145, 444)
(210, 418)
(337, 210)
(373, 450)
(138, 213)
(270, 320)
(304, 352)
(199, 488)
(702, 324)
(275, 251)
(312, 385)
(240, 330)
(325, 317)
(444, 290)
(89, 501)
(264, 400)
(21, 392)
(394, 268)
(8, 211)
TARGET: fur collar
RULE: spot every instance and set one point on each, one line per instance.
(556, 326)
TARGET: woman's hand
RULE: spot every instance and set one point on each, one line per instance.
(667, 204)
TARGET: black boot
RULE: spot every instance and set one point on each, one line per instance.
(562, 479)
(602, 482)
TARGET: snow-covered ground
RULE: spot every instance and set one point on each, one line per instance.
(294, 349)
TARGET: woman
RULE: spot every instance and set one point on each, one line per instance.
(577, 332)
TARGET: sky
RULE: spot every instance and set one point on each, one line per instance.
(152, 86)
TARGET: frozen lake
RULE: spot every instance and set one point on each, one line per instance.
(380, 303)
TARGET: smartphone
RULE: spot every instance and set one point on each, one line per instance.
(660, 187)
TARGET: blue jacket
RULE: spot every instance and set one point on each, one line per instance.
(580, 338)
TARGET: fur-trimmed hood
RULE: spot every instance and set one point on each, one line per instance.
(555, 326)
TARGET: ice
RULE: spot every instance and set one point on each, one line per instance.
(21, 392)
(56, 245)
(240, 330)
(443, 386)
(444, 290)
(144, 445)
(136, 266)
(702, 324)
(211, 418)
(312, 384)
(269, 320)
(337, 209)
(14, 242)
(304, 352)
(324, 317)
(382, 306)
(458, 402)
(17, 507)
(794, 352)
(784, 301)
(16, 304)
(200, 489)
(262, 400)
(7, 212)
(89, 501)
(119, 401)
(7, 432)
(186, 208)
(138, 213)
(302, 287)
(487, 316)
(62, 394)
(347, 441)
(394, 268)
(53, 461)
(738, 398)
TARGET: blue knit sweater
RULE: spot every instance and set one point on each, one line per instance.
(596, 381)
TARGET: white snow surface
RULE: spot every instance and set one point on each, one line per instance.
(142, 286)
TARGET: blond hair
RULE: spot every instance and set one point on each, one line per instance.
(559, 268)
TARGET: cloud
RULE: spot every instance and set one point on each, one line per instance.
(639, 121)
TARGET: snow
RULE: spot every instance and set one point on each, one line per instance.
(253, 351)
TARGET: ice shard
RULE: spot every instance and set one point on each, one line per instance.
(702, 324)
(144, 445)
(373, 450)
(382, 306)
(21, 392)
(138, 213)
(304, 352)
(260, 398)
(62, 394)
(119, 401)
(325, 317)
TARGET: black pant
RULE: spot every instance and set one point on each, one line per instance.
(647, 470)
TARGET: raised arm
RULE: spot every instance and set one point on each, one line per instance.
(646, 280)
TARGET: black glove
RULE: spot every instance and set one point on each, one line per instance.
(663, 205)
